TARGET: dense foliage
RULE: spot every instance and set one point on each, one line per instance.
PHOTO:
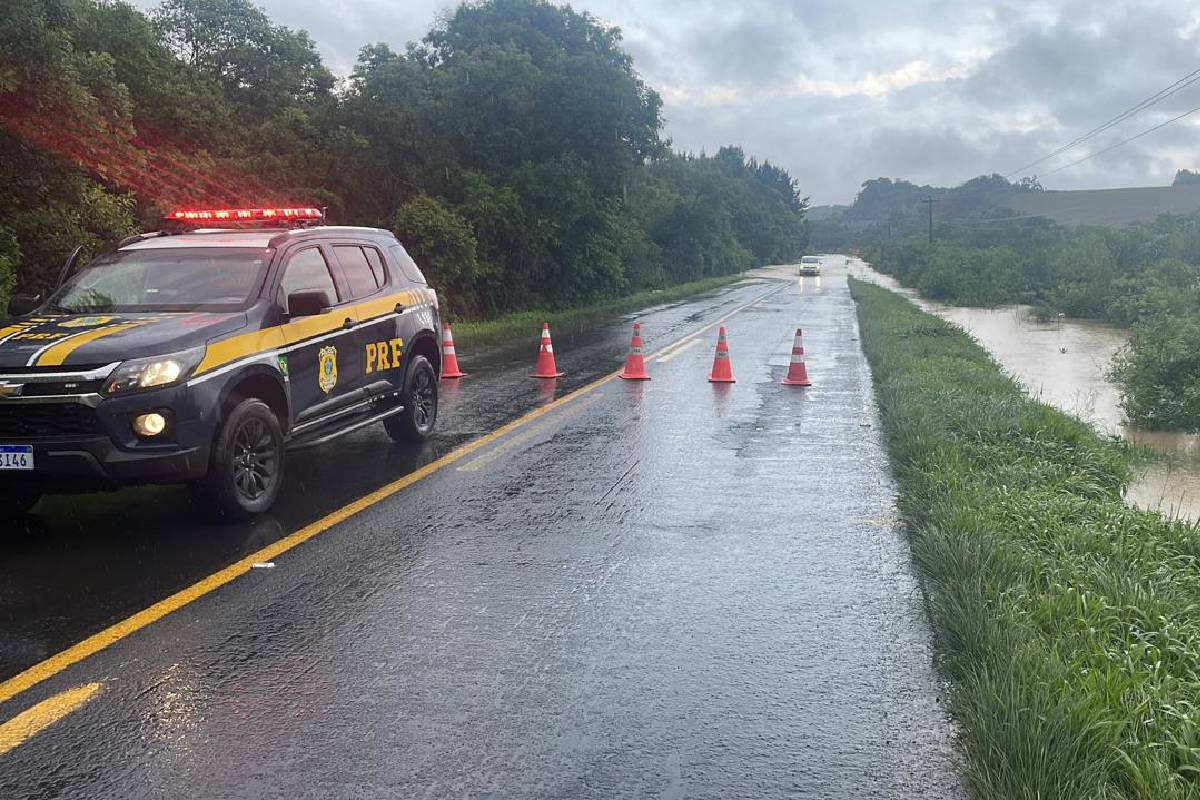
(1065, 618)
(515, 147)
(1146, 276)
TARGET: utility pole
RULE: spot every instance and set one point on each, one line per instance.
(929, 201)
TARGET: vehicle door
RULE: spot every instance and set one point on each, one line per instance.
(380, 304)
(320, 357)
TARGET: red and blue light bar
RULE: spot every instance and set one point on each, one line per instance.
(244, 215)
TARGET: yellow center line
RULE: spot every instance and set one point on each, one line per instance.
(677, 351)
(29, 723)
(667, 351)
(478, 463)
(111, 635)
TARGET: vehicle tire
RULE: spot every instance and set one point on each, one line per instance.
(20, 501)
(245, 471)
(420, 397)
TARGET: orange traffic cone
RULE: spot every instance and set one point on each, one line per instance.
(797, 372)
(722, 372)
(449, 356)
(545, 361)
(635, 366)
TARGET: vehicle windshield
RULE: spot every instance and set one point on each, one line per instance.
(166, 279)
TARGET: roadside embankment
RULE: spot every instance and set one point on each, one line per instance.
(1066, 619)
(528, 324)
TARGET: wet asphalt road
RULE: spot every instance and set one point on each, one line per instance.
(667, 589)
(81, 563)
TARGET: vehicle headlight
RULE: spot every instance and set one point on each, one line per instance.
(154, 372)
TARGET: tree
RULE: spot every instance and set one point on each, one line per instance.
(262, 68)
(530, 81)
(1185, 177)
(442, 243)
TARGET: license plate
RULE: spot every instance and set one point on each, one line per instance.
(16, 456)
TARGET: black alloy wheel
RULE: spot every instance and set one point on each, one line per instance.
(245, 470)
(255, 459)
(420, 398)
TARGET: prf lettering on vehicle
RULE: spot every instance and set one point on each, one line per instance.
(384, 355)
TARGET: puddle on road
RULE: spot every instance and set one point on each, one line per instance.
(1063, 363)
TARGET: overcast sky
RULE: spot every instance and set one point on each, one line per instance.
(838, 91)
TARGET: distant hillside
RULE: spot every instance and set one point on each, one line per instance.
(899, 204)
(1110, 207)
(885, 208)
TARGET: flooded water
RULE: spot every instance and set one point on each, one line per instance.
(1064, 363)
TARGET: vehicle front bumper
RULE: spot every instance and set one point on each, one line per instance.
(103, 452)
(96, 463)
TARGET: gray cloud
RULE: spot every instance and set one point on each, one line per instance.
(935, 91)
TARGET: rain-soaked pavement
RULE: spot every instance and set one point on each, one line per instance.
(669, 589)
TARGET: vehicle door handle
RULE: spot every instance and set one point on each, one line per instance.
(348, 323)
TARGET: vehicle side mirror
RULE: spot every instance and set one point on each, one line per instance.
(21, 304)
(308, 303)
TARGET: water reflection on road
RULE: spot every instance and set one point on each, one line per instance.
(1063, 362)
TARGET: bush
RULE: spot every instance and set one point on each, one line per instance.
(1159, 373)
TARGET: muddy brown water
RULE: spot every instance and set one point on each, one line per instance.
(1064, 362)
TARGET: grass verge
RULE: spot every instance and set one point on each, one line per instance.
(528, 324)
(1068, 622)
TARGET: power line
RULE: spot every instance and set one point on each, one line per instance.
(1125, 141)
(1161, 94)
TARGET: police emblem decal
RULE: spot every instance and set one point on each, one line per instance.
(327, 369)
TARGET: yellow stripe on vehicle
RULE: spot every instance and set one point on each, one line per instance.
(240, 346)
(384, 305)
(244, 345)
(57, 354)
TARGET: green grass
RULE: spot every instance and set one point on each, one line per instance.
(528, 324)
(1067, 622)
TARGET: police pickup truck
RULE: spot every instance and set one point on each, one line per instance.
(203, 352)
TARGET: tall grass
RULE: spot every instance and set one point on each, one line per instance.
(1068, 622)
